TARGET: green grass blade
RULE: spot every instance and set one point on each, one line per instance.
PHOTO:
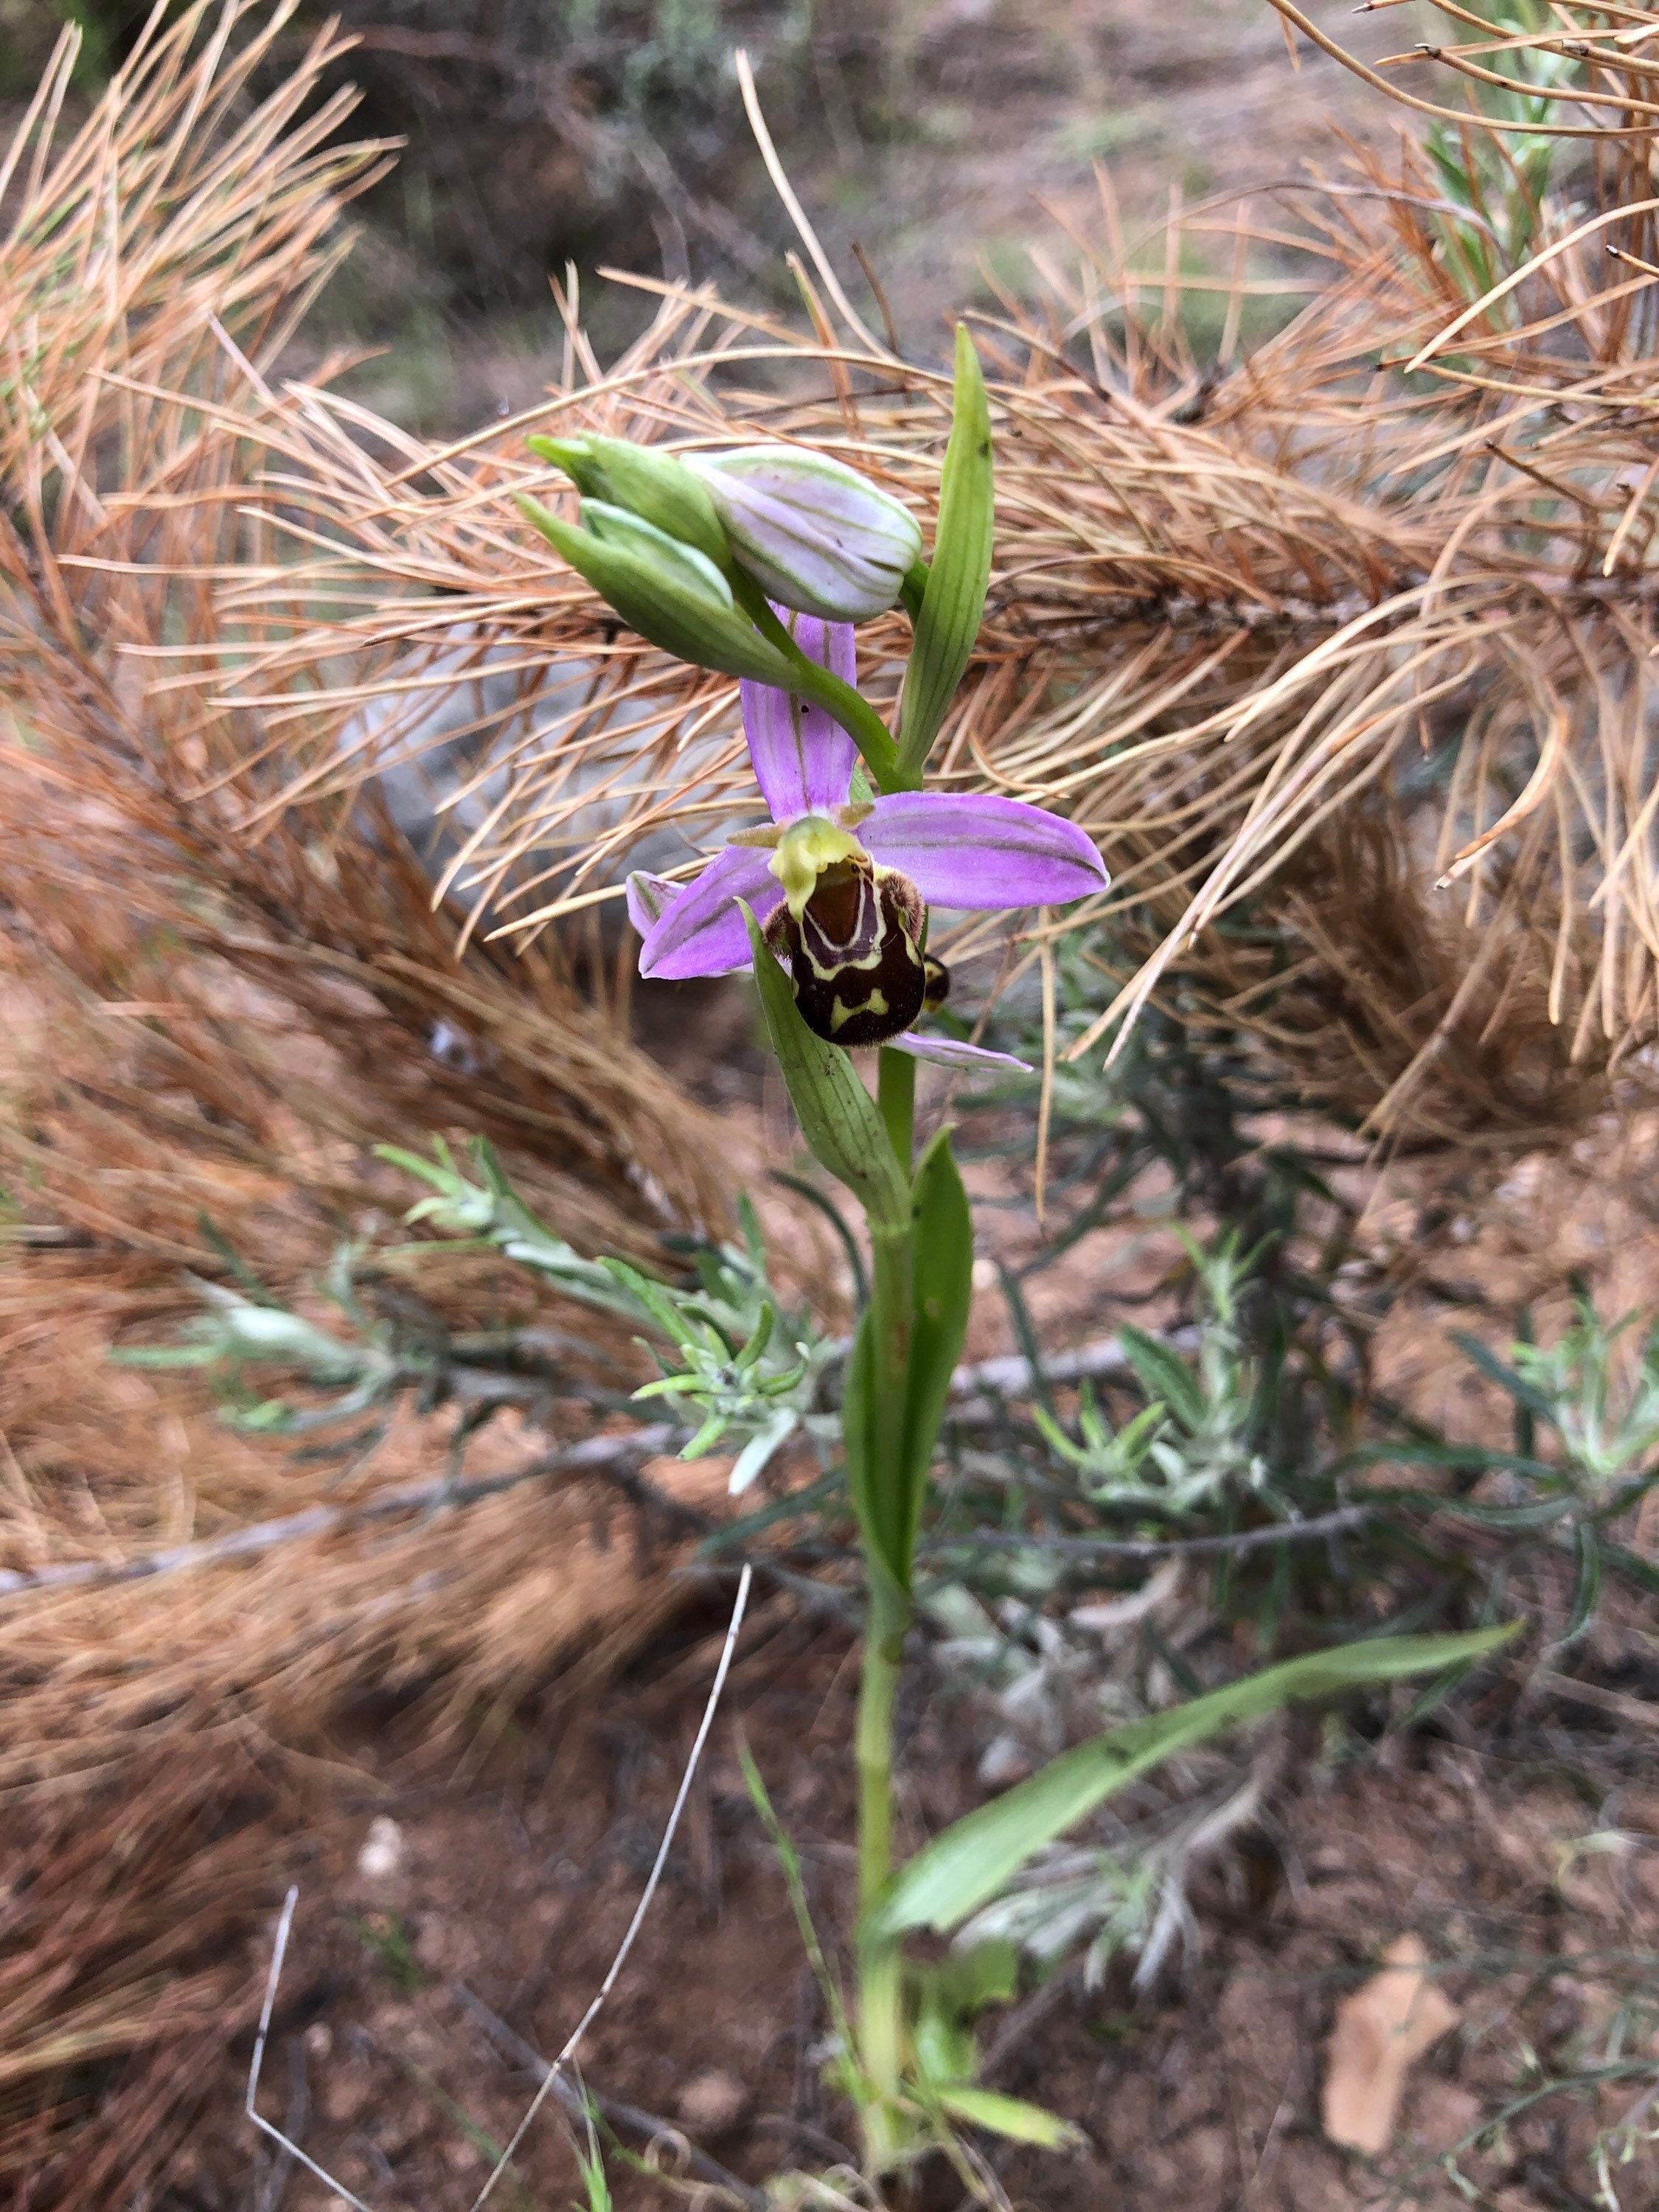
(1009, 2116)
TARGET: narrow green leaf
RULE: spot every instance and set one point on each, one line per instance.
(1642, 1573)
(1162, 1374)
(975, 1859)
(162, 1356)
(838, 1117)
(954, 599)
(1587, 1586)
(1412, 1452)
(1008, 2116)
(1026, 1337)
(944, 1293)
(1539, 1514)
(1502, 1374)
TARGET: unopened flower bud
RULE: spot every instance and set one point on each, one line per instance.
(664, 589)
(615, 525)
(656, 486)
(816, 535)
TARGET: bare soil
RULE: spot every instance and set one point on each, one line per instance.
(1018, 132)
(1201, 2093)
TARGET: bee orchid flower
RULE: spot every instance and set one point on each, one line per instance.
(841, 886)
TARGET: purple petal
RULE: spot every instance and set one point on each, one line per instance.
(701, 931)
(948, 1052)
(649, 898)
(803, 760)
(962, 850)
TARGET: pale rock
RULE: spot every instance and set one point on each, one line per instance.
(383, 1851)
(712, 2102)
(1380, 2031)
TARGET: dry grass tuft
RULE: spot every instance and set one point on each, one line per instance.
(205, 1028)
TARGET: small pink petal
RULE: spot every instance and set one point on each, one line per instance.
(803, 760)
(947, 1052)
(649, 898)
(961, 850)
(701, 933)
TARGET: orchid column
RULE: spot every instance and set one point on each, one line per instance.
(759, 564)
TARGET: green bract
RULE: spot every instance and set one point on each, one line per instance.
(672, 602)
(631, 533)
(953, 598)
(838, 1117)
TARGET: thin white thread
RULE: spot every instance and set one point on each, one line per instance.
(278, 1950)
(285, 1922)
(645, 1895)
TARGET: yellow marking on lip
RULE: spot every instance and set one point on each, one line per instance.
(806, 849)
(875, 1004)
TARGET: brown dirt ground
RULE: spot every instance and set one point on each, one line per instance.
(1202, 2094)
(1008, 106)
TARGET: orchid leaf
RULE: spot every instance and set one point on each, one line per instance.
(858, 1440)
(889, 1511)
(839, 1119)
(976, 1857)
(1008, 2116)
(944, 1293)
(954, 599)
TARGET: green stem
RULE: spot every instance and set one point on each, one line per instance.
(881, 1962)
(839, 701)
(914, 590)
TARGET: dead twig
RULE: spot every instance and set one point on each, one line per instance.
(595, 1454)
(1321, 1525)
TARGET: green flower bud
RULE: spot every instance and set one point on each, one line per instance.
(616, 526)
(814, 534)
(655, 486)
(676, 598)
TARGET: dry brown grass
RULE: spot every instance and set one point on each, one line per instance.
(204, 1031)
